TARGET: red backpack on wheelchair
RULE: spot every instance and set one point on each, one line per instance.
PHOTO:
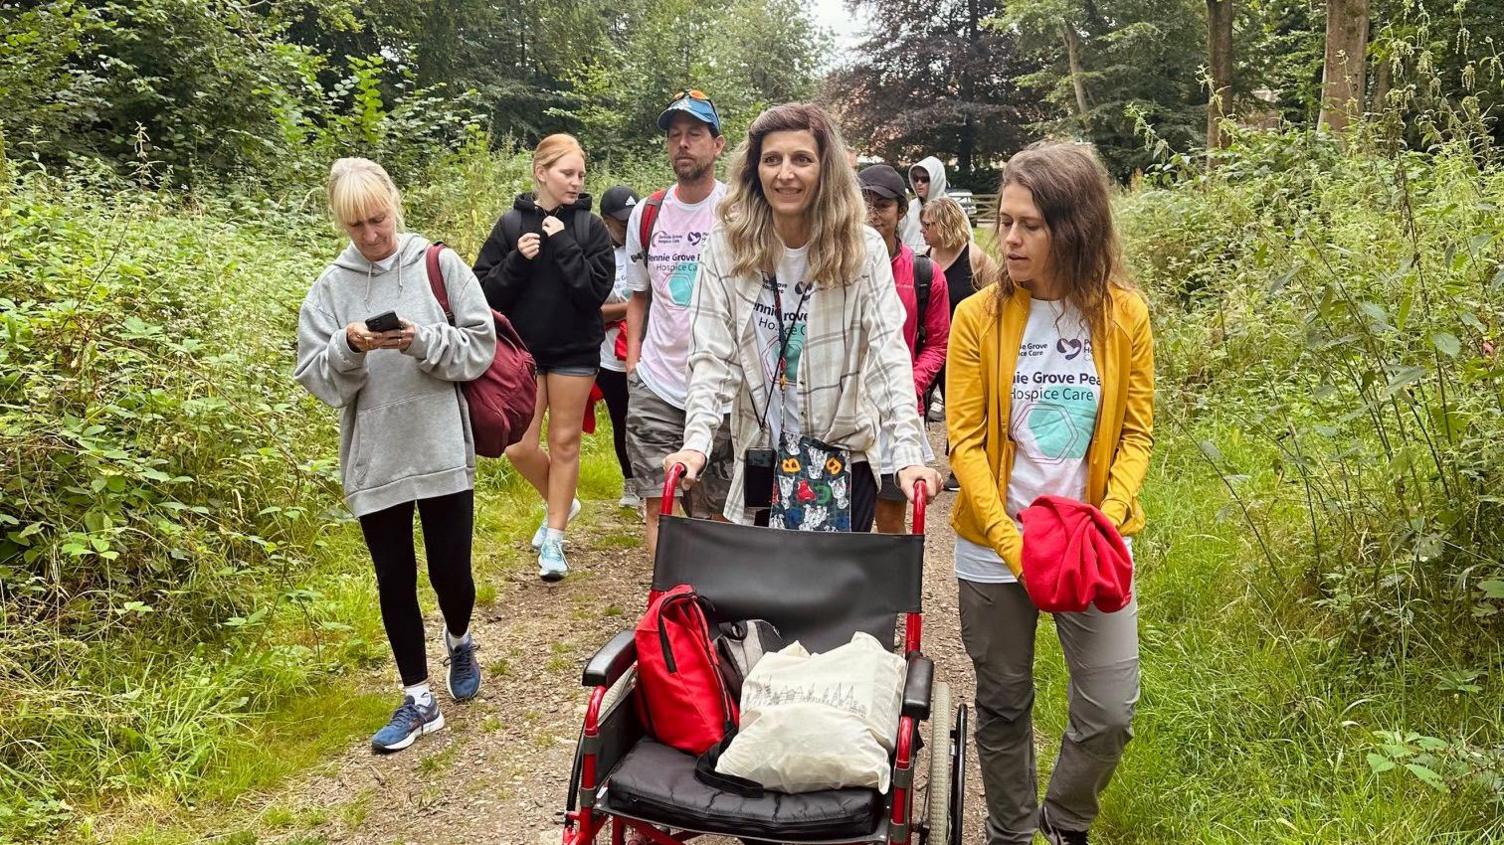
(682, 696)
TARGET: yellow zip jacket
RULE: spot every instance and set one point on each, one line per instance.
(980, 364)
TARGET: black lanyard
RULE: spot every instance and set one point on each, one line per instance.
(785, 338)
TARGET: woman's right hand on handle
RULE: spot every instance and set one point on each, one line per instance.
(529, 244)
(693, 462)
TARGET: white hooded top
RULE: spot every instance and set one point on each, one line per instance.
(908, 227)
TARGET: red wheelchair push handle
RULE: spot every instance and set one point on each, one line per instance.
(671, 481)
(921, 499)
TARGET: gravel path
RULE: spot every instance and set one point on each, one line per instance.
(497, 772)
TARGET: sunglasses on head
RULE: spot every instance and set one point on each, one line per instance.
(693, 94)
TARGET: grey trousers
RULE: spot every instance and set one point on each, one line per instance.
(1101, 653)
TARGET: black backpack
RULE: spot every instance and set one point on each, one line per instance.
(924, 276)
(511, 227)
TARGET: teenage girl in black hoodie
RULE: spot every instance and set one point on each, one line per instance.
(549, 272)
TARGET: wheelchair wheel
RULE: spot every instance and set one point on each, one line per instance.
(937, 819)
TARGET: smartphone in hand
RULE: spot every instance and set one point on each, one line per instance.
(383, 322)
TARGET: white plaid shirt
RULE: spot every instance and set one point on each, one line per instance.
(855, 372)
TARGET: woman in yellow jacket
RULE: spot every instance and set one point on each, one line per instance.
(1049, 390)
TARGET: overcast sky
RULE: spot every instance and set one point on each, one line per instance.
(848, 28)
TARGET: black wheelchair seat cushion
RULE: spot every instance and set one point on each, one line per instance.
(656, 783)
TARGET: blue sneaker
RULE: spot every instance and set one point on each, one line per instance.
(464, 672)
(408, 723)
(574, 511)
(551, 563)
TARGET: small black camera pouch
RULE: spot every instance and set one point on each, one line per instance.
(757, 477)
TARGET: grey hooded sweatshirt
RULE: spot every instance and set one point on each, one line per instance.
(908, 228)
(404, 426)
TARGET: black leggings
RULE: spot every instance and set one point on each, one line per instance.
(447, 526)
(613, 386)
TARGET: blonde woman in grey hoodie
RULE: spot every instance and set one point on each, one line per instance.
(405, 439)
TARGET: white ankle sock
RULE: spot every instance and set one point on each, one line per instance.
(421, 694)
(553, 534)
(450, 641)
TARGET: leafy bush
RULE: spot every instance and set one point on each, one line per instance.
(1334, 313)
(167, 486)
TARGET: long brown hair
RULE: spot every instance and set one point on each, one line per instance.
(837, 248)
(1070, 187)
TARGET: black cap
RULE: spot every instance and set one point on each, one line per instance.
(618, 201)
(882, 180)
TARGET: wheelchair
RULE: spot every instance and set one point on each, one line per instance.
(818, 588)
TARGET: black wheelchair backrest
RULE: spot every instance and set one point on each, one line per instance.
(816, 587)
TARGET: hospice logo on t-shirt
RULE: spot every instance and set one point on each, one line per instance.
(794, 327)
(1056, 391)
(681, 254)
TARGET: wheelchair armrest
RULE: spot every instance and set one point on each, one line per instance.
(611, 662)
(916, 687)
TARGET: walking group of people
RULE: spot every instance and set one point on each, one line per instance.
(779, 334)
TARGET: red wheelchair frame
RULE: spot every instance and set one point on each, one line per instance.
(583, 824)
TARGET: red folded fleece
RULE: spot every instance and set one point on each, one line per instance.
(1073, 556)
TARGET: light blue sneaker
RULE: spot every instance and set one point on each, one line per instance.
(464, 672)
(551, 563)
(574, 511)
(408, 723)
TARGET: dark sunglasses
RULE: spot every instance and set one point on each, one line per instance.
(920, 177)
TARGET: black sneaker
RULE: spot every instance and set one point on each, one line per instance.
(952, 484)
(1059, 835)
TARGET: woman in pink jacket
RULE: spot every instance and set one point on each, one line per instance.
(926, 326)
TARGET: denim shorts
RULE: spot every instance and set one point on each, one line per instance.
(584, 372)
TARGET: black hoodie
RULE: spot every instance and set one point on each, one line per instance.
(554, 300)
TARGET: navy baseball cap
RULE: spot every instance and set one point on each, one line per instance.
(696, 105)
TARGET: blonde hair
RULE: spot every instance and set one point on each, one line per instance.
(358, 188)
(949, 226)
(837, 244)
(553, 148)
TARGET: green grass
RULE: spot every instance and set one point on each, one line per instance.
(256, 754)
(1252, 727)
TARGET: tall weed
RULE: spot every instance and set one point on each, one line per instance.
(1338, 301)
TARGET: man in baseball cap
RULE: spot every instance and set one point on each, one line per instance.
(664, 238)
(695, 104)
(617, 204)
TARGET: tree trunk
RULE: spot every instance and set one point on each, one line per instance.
(1219, 58)
(967, 147)
(1343, 77)
(1073, 55)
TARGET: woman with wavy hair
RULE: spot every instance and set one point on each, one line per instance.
(798, 325)
(1049, 392)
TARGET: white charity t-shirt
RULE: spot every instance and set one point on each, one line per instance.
(668, 268)
(1056, 394)
(621, 291)
(780, 399)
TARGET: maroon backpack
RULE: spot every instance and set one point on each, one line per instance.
(501, 400)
